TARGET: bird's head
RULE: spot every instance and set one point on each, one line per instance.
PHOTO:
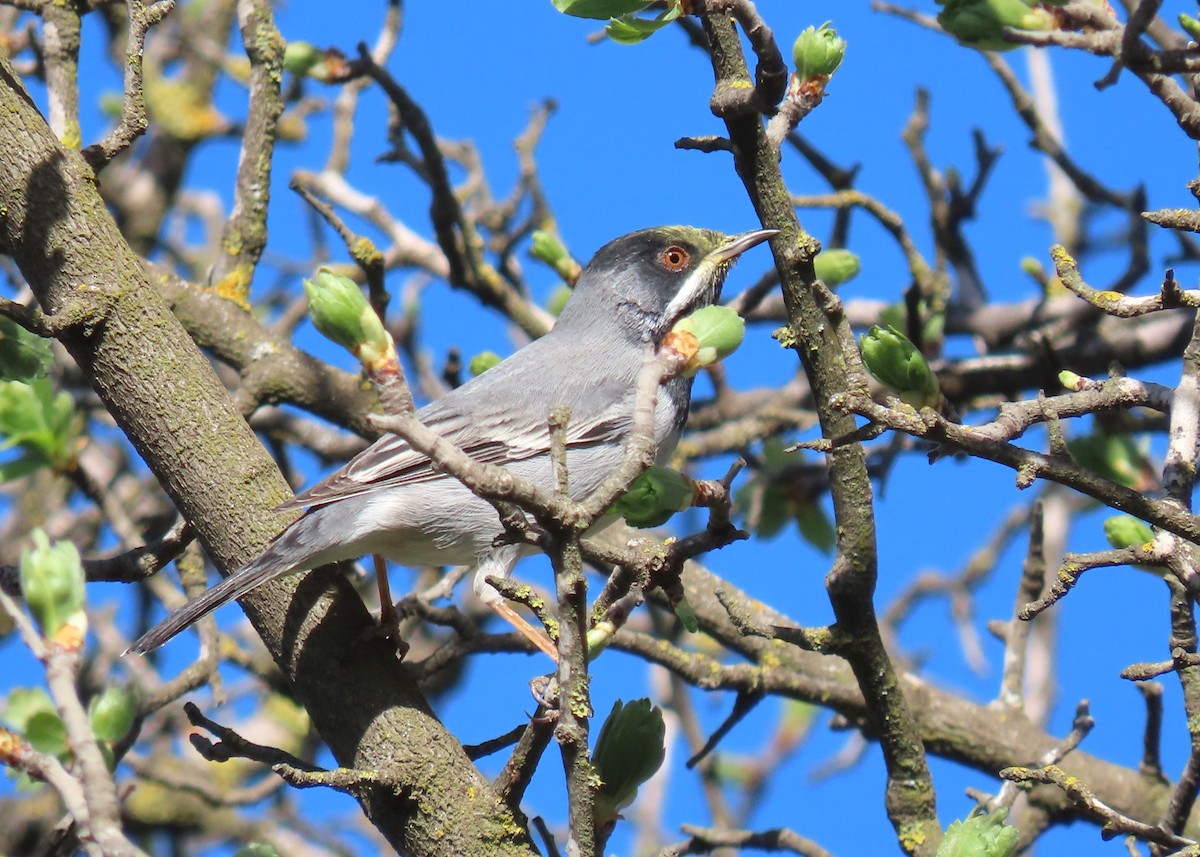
(647, 280)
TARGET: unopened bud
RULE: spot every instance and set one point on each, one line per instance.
(112, 713)
(981, 834)
(52, 582)
(300, 57)
(706, 336)
(628, 752)
(599, 636)
(1126, 531)
(981, 23)
(1190, 26)
(1070, 380)
(836, 265)
(818, 52)
(896, 363)
(341, 312)
(482, 362)
(657, 494)
(549, 249)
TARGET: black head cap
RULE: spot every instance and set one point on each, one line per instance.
(647, 280)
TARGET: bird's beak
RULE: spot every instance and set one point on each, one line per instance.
(739, 244)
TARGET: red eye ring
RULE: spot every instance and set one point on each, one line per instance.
(674, 258)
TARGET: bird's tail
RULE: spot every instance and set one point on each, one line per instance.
(258, 571)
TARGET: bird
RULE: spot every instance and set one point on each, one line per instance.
(388, 500)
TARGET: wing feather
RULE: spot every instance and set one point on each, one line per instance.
(390, 463)
(512, 429)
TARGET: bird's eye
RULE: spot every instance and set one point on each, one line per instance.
(674, 258)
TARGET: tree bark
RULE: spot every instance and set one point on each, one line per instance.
(427, 798)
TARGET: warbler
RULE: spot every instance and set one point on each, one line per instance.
(388, 500)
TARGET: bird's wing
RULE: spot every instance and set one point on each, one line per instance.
(517, 433)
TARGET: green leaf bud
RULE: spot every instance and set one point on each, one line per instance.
(815, 527)
(818, 52)
(30, 711)
(549, 249)
(981, 23)
(300, 57)
(112, 713)
(599, 636)
(709, 334)
(981, 834)
(836, 266)
(654, 497)
(1070, 380)
(628, 752)
(23, 355)
(1033, 267)
(482, 362)
(341, 312)
(1114, 456)
(1190, 26)
(558, 299)
(1126, 531)
(686, 615)
(898, 365)
(630, 30)
(599, 9)
(52, 583)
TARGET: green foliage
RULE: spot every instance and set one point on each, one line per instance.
(686, 615)
(112, 713)
(482, 362)
(629, 750)
(549, 249)
(1126, 531)
(896, 363)
(818, 51)
(1190, 26)
(600, 10)
(981, 23)
(815, 527)
(300, 57)
(981, 834)
(341, 312)
(932, 324)
(629, 29)
(31, 712)
(654, 497)
(1114, 456)
(770, 502)
(23, 355)
(53, 584)
(836, 266)
(718, 331)
(624, 27)
(39, 423)
(558, 299)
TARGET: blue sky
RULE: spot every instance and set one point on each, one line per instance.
(609, 166)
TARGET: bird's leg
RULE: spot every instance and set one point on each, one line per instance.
(525, 628)
(389, 618)
(490, 575)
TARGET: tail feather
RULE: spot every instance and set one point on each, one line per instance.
(241, 582)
